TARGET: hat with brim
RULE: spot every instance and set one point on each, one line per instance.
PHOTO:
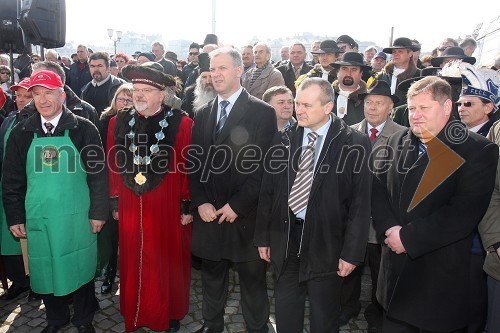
(210, 39)
(454, 52)
(203, 63)
(46, 79)
(428, 71)
(327, 46)
(382, 88)
(351, 59)
(401, 43)
(150, 73)
(24, 83)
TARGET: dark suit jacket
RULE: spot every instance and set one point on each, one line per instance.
(289, 76)
(390, 128)
(338, 210)
(428, 286)
(226, 171)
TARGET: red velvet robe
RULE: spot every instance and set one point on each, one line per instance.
(155, 249)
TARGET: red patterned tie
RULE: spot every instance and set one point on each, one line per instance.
(373, 134)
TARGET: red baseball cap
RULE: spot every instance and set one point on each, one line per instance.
(46, 79)
(24, 83)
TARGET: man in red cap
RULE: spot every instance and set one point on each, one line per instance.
(55, 195)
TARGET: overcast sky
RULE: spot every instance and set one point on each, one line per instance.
(88, 20)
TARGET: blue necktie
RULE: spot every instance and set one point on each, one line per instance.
(223, 116)
(421, 148)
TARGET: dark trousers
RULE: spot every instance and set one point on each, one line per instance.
(254, 298)
(391, 325)
(351, 292)
(374, 311)
(14, 268)
(84, 305)
(323, 293)
(478, 304)
(493, 305)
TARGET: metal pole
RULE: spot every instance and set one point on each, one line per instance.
(392, 36)
(213, 16)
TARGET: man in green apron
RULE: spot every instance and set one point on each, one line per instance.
(55, 194)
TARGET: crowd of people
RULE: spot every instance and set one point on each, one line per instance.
(151, 166)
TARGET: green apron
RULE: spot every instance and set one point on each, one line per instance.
(62, 250)
(10, 244)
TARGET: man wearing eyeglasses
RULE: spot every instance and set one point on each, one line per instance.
(100, 91)
(476, 107)
(445, 44)
(152, 199)
(194, 52)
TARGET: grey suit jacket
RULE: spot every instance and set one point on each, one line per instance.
(389, 129)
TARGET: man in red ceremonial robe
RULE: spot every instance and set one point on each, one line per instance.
(153, 203)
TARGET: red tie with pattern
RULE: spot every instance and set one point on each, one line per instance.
(373, 134)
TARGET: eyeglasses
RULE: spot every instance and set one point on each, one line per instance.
(194, 53)
(444, 48)
(144, 91)
(466, 104)
(124, 100)
(4, 72)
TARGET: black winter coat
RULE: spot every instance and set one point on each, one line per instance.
(338, 210)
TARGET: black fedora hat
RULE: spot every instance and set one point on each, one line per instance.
(401, 43)
(210, 39)
(327, 46)
(351, 59)
(380, 87)
(348, 40)
(150, 73)
(454, 52)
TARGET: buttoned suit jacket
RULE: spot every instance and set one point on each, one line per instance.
(221, 173)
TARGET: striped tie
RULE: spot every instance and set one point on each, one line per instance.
(223, 116)
(299, 195)
(421, 148)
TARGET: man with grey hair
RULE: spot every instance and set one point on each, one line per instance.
(263, 76)
(296, 66)
(158, 50)
(304, 227)
(234, 124)
(79, 72)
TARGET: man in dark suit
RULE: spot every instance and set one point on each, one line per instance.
(295, 67)
(378, 103)
(230, 138)
(432, 192)
(314, 235)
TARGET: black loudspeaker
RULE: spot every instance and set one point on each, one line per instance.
(12, 37)
(44, 22)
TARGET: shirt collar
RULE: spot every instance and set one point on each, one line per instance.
(475, 129)
(379, 127)
(98, 84)
(231, 99)
(54, 122)
(322, 131)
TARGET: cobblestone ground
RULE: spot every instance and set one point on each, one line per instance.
(19, 316)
